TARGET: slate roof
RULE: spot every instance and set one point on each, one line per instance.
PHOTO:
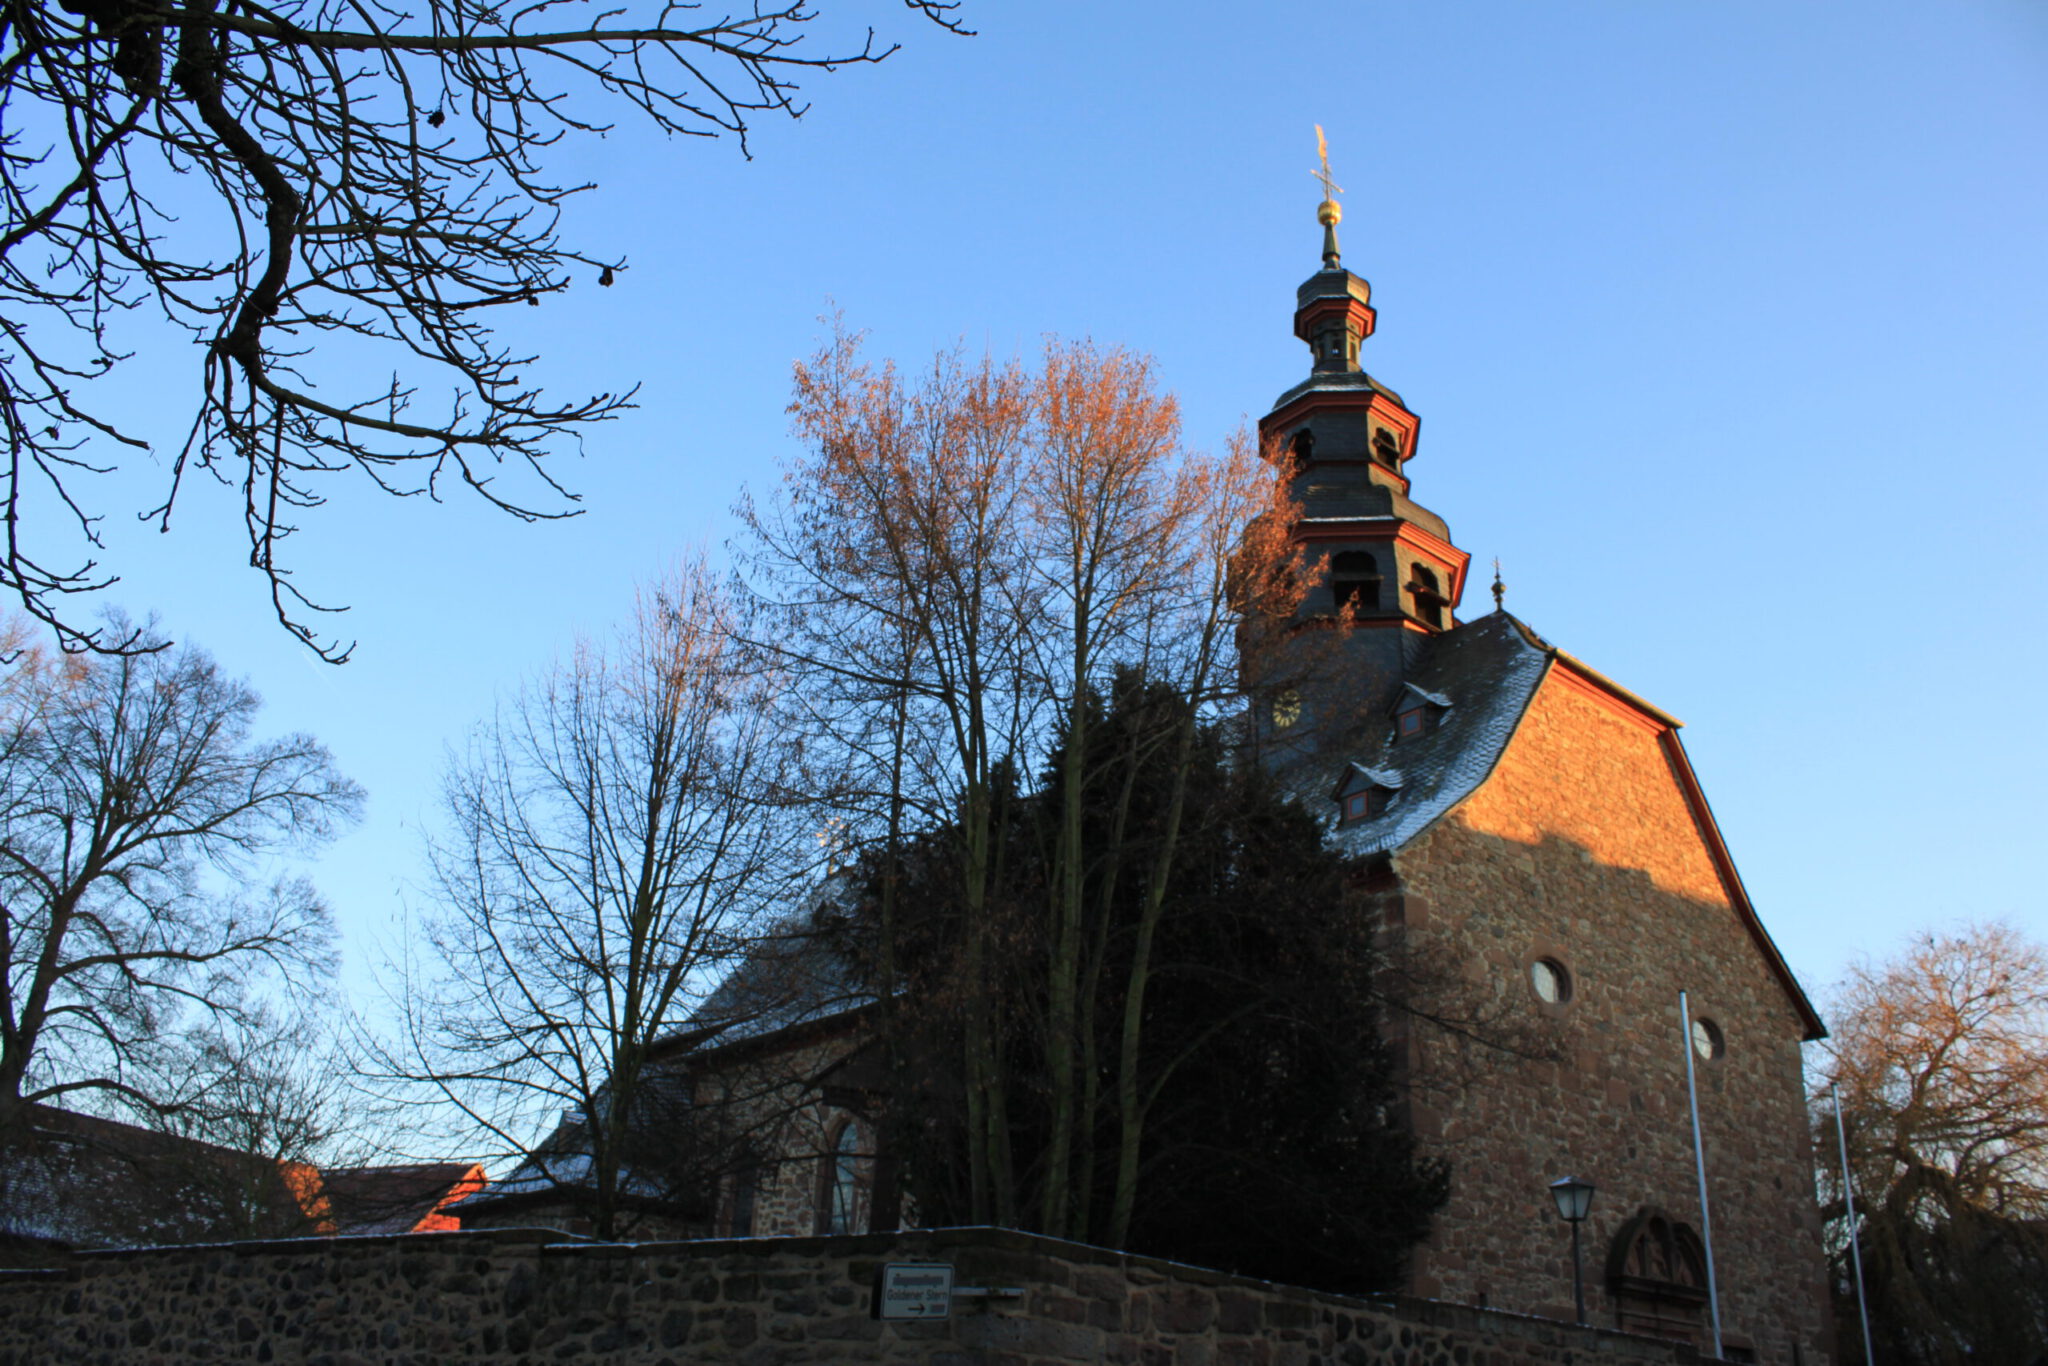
(540, 1173)
(562, 1162)
(1335, 380)
(393, 1199)
(1435, 699)
(88, 1181)
(1389, 778)
(790, 978)
(1346, 495)
(1484, 674)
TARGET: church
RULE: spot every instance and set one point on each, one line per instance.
(1537, 856)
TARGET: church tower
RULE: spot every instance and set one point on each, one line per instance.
(1388, 574)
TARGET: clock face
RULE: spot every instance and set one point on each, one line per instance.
(1286, 709)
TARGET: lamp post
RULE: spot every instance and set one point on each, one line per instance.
(1574, 1200)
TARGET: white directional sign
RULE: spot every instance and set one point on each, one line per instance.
(914, 1290)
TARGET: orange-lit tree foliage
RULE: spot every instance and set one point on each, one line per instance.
(959, 566)
(1940, 1058)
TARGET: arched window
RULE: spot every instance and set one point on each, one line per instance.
(1657, 1274)
(841, 1184)
(1386, 448)
(746, 1184)
(1303, 447)
(1429, 603)
(1355, 577)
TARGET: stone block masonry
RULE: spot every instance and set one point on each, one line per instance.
(514, 1297)
(1582, 850)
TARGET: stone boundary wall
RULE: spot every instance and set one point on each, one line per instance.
(527, 1296)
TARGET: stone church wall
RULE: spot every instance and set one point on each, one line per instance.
(764, 1102)
(510, 1298)
(1581, 848)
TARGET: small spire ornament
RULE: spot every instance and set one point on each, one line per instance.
(1329, 213)
(1500, 590)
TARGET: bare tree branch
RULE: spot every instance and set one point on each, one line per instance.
(284, 181)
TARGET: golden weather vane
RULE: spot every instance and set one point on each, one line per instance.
(1329, 212)
(1331, 189)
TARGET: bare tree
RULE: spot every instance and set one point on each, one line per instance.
(289, 181)
(615, 841)
(1940, 1058)
(1109, 508)
(963, 564)
(900, 590)
(138, 817)
(1158, 562)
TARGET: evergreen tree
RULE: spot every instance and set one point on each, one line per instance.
(1272, 1144)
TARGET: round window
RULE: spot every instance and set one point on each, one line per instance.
(1553, 984)
(1707, 1040)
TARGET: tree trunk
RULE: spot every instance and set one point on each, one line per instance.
(1063, 984)
(1130, 1106)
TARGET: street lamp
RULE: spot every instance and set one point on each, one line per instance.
(1574, 1200)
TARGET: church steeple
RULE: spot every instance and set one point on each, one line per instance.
(1390, 572)
(1333, 310)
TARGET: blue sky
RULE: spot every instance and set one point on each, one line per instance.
(1727, 325)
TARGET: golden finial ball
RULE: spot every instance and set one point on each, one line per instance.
(1329, 213)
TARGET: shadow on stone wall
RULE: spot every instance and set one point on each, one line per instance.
(1516, 1090)
(513, 1296)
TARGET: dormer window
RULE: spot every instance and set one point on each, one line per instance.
(1418, 710)
(1386, 448)
(1364, 793)
(1355, 577)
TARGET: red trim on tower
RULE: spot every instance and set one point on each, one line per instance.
(1391, 529)
(1387, 620)
(1290, 414)
(1344, 306)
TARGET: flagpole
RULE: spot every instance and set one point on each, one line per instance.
(1855, 1243)
(1699, 1158)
